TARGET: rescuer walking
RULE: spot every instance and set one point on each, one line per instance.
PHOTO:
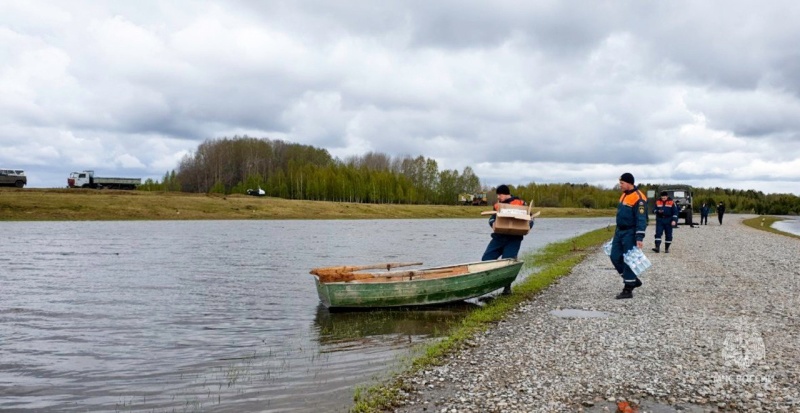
(666, 218)
(631, 225)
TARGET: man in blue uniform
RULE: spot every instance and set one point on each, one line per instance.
(503, 245)
(666, 218)
(631, 224)
(704, 214)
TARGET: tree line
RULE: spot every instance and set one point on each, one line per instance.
(293, 171)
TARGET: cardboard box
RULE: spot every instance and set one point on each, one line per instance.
(512, 220)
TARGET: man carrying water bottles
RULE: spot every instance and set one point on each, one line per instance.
(631, 224)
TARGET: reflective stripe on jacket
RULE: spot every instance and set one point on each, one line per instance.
(666, 209)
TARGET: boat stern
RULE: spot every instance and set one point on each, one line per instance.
(322, 291)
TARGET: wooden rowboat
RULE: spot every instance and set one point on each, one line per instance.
(350, 287)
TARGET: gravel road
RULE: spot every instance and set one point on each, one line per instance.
(716, 327)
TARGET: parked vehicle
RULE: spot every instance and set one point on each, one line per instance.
(86, 179)
(681, 194)
(256, 192)
(13, 177)
(347, 287)
(476, 199)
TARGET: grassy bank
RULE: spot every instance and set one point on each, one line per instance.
(554, 261)
(764, 223)
(109, 205)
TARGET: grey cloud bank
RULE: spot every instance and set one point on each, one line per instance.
(700, 93)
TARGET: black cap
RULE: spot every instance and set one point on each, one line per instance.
(664, 193)
(627, 177)
(502, 190)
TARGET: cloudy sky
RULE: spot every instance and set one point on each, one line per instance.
(698, 92)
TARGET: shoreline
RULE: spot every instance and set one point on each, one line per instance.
(114, 205)
(714, 328)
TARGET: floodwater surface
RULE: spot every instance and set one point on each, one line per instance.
(789, 224)
(221, 316)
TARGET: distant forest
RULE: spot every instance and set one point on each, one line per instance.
(294, 171)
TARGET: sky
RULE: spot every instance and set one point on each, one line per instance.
(705, 93)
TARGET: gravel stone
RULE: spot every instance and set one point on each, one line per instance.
(716, 326)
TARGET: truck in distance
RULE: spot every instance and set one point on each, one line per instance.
(13, 177)
(87, 179)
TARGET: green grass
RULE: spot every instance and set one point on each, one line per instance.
(554, 261)
(764, 223)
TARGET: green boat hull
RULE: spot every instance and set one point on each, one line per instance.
(416, 292)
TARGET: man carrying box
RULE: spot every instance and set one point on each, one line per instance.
(504, 245)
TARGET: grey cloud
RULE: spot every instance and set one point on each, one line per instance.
(569, 85)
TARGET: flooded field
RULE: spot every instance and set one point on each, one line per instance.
(215, 316)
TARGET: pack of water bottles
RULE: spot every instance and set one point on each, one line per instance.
(607, 247)
(636, 260)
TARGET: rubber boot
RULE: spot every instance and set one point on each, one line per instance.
(637, 284)
(656, 250)
(658, 247)
(627, 292)
(666, 249)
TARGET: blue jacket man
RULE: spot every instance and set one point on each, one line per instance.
(503, 245)
(666, 212)
(704, 214)
(631, 225)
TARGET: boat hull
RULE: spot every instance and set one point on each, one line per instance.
(416, 292)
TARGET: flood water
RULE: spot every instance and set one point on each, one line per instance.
(217, 316)
(790, 224)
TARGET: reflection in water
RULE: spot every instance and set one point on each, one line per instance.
(167, 316)
(432, 321)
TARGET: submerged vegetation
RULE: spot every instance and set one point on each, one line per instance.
(552, 262)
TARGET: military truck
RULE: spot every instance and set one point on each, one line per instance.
(13, 177)
(681, 194)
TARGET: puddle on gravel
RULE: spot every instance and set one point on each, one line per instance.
(648, 407)
(575, 313)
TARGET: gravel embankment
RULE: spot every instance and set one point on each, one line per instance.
(716, 327)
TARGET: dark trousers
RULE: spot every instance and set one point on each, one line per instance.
(663, 225)
(720, 218)
(623, 241)
(502, 246)
(703, 219)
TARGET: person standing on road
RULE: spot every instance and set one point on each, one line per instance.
(631, 225)
(720, 211)
(666, 218)
(704, 214)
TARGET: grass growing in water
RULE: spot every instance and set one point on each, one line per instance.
(554, 261)
(764, 223)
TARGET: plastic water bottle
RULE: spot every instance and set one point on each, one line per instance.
(645, 261)
(636, 260)
(607, 247)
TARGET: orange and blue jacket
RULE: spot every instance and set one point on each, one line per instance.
(513, 201)
(666, 209)
(632, 212)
